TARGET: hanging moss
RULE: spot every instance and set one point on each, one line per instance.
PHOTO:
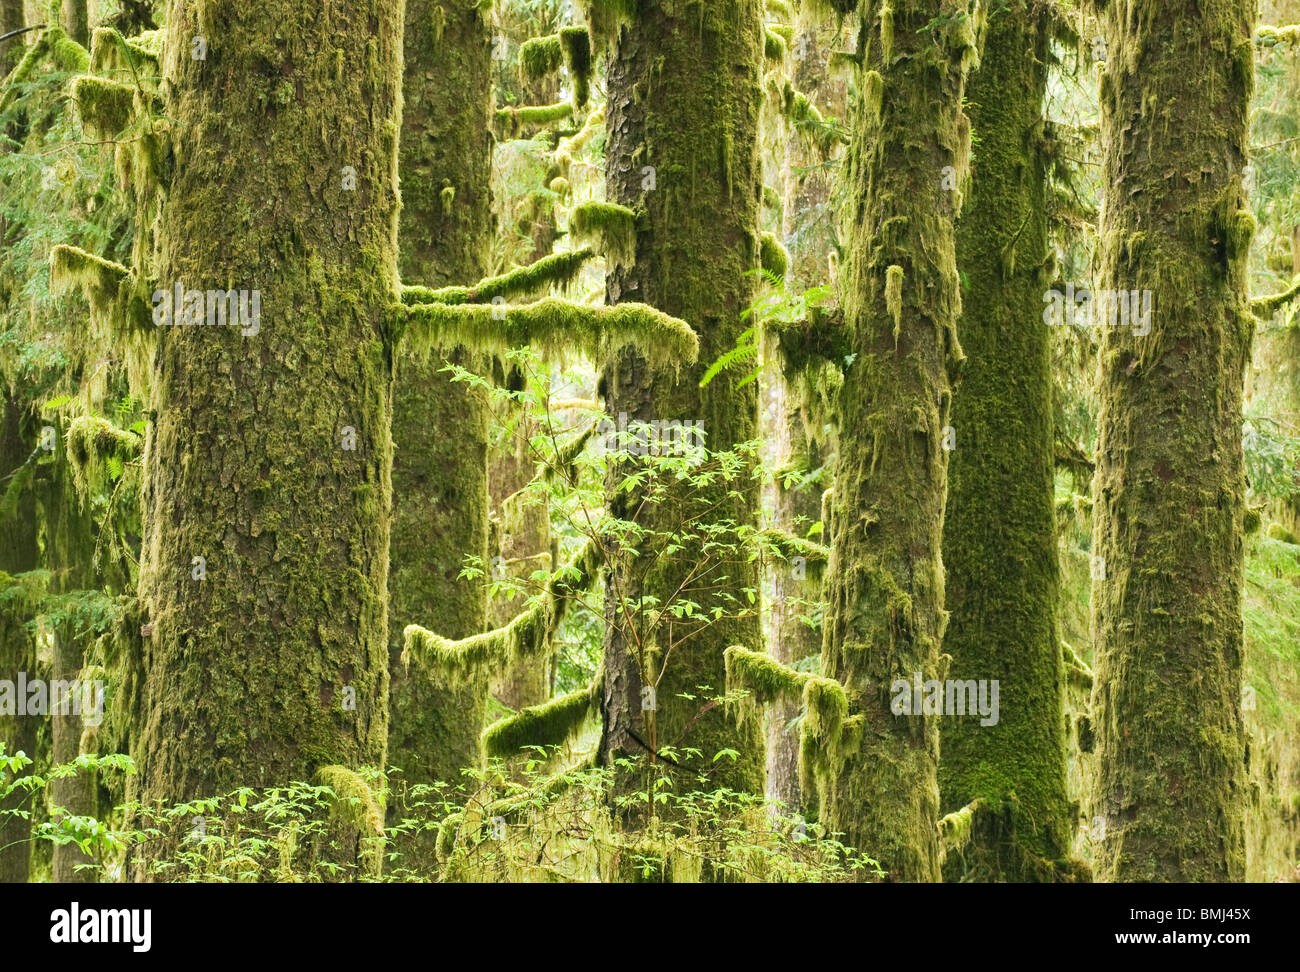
(552, 326)
(819, 134)
(104, 107)
(358, 810)
(116, 300)
(553, 723)
(774, 45)
(611, 226)
(780, 10)
(894, 296)
(787, 547)
(1265, 307)
(556, 270)
(773, 256)
(540, 56)
(955, 828)
(576, 43)
(762, 676)
(526, 637)
(607, 17)
(511, 121)
(19, 480)
(67, 55)
(575, 144)
(110, 51)
(90, 442)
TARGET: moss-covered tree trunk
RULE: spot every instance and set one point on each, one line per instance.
(885, 615)
(795, 434)
(440, 427)
(266, 480)
(999, 546)
(1167, 626)
(18, 554)
(11, 19)
(682, 121)
(70, 549)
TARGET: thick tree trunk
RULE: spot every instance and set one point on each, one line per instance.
(999, 545)
(684, 100)
(11, 18)
(266, 484)
(1167, 626)
(440, 427)
(75, 21)
(70, 549)
(885, 615)
(18, 554)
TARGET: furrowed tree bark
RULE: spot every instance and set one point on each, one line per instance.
(999, 544)
(268, 657)
(885, 615)
(684, 99)
(440, 427)
(1168, 493)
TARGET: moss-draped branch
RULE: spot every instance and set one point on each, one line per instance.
(556, 270)
(117, 298)
(526, 637)
(552, 326)
(552, 723)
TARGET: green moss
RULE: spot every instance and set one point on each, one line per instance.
(1265, 307)
(576, 43)
(90, 441)
(526, 637)
(551, 724)
(67, 55)
(25, 69)
(607, 17)
(611, 226)
(774, 45)
(1278, 532)
(111, 52)
(773, 256)
(955, 828)
(540, 56)
(104, 107)
(116, 303)
(552, 326)
(894, 296)
(512, 120)
(787, 547)
(556, 270)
